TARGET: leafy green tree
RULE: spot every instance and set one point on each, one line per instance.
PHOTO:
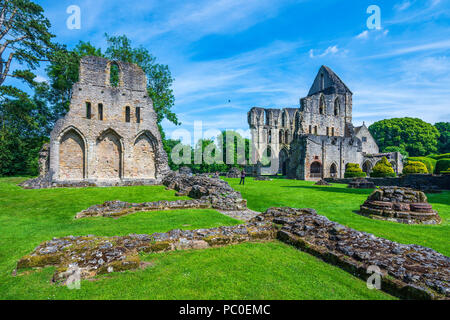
(444, 139)
(413, 135)
(63, 72)
(24, 38)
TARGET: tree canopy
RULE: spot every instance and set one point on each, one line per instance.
(444, 138)
(413, 135)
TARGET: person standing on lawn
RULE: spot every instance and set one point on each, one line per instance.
(242, 177)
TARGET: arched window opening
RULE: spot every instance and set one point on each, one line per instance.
(367, 167)
(315, 130)
(332, 131)
(286, 138)
(114, 75)
(336, 107)
(283, 120)
(280, 136)
(100, 111)
(310, 129)
(269, 139)
(333, 170)
(315, 170)
(138, 115)
(127, 114)
(88, 110)
(322, 105)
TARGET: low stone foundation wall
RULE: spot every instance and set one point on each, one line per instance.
(88, 256)
(43, 182)
(424, 182)
(117, 208)
(407, 271)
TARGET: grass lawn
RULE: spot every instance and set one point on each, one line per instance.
(269, 270)
(338, 203)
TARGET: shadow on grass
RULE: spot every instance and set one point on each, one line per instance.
(333, 189)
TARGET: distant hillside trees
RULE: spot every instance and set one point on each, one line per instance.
(415, 136)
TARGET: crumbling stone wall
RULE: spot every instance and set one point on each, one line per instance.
(322, 139)
(110, 134)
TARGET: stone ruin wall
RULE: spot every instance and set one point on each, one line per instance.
(116, 141)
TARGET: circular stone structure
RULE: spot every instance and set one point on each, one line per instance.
(404, 205)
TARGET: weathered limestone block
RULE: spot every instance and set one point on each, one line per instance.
(398, 204)
(217, 191)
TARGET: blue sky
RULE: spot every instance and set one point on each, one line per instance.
(228, 56)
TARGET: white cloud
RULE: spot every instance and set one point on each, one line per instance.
(328, 51)
(363, 35)
(403, 6)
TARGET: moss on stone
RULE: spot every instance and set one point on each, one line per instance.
(30, 261)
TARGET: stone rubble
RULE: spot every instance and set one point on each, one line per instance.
(408, 271)
(215, 190)
(361, 183)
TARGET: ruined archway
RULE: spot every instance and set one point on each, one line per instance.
(333, 170)
(283, 159)
(144, 157)
(71, 156)
(367, 167)
(109, 156)
(315, 170)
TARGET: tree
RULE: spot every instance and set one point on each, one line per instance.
(63, 72)
(413, 135)
(444, 139)
(24, 38)
(158, 75)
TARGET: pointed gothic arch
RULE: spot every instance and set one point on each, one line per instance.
(109, 155)
(144, 156)
(72, 155)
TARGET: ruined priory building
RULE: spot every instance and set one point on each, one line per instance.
(110, 134)
(318, 139)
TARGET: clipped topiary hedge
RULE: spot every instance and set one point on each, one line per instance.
(442, 165)
(445, 172)
(352, 170)
(383, 169)
(414, 167)
(439, 156)
(430, 163)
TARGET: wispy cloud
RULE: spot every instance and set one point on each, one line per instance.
(328, 51)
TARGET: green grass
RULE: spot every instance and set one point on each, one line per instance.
(269, 270)
(338, 203)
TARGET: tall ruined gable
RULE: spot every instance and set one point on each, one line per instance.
(328, 82)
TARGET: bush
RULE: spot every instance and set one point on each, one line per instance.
(382, 169)
(445, 172)
(442, 165)
(439, 156)
(352, 170)
(414, 167)
(430, 163)
(354, 175)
